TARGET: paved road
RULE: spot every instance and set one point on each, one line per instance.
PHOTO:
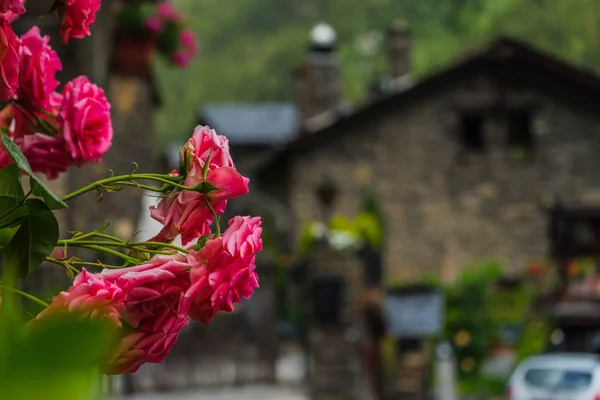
(241, 393)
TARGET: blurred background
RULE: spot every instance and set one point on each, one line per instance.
(427, 175)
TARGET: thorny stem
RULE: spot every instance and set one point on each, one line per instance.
(216, 217)
(26, 295)
(124, 179)
(132, 245)
(93, 264)
(66, 264)
(107, 251)
(96, 234)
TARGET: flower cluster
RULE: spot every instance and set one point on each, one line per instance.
(75, 16)
(205, 159)
(151, 298)
(164, 24)
(53, 129)
(152, 302)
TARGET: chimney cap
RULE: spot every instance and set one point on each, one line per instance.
(323, 36)
(398, 27)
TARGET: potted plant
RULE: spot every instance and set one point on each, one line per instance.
(145, 28)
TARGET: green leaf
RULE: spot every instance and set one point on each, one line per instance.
(204, 187)
(13, 218)
(34, 240)
(39, 189)
(11, 191)
(6, 236)
(206, 165)
(56, 358)
(202, 240)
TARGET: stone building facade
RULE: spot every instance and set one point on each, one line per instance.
(465, 163)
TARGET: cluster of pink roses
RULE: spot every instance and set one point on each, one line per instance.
(187, 47)
(153, 302)
(75, 16)
(53, 129)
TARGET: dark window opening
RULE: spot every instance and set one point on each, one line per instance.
(520, 135)
(472, 133)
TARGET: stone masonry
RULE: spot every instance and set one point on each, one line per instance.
(447, 208)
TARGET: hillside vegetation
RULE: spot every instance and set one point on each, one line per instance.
(249, 47)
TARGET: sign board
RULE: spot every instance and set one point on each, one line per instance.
(414, 314)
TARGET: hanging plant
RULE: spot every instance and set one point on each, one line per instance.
(159, 25)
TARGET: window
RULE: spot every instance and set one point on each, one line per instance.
(520, 137)
(549, 378)
(472, 133)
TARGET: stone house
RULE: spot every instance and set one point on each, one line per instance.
(465, 162)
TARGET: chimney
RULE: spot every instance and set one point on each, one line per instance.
(399, 42)
(317, 81)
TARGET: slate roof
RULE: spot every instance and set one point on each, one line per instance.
(252, 124)
(516, 57)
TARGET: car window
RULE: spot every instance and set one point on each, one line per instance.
(558, 378)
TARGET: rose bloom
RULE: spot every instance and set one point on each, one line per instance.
(223, 270)
(9, 61)
(78, 16)
(90, 296)
(168, 12)
(37, 68)
(182, 58)
(152, 299)
(84, 118)
(9, 16)
(45, 154)
(153, 24)
(188, 39)
(185, 212)
(15, 6)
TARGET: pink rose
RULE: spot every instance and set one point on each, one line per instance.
(15, 6)
(185, 212)
(90, 296)
(223, 270)
(9, 16)
(9, 61)
(46, 154)
(37, 68)
(28, 120)
(140, 346)
(188, 39)
(181, 58)
(78, 16)
(168, 12)
(85, 121)
(153, 292)
(154, 24)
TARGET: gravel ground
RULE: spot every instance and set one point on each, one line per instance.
(237, 393)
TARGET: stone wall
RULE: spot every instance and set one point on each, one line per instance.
(446, 208)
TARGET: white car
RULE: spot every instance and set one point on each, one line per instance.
(558, 376)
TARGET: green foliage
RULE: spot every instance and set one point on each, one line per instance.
(131, 18)
(478, 315)
(168, 40)
(28, 228)
(534, 339)
(250, 47)
(57, 359)
(39, 189)
(34, 240)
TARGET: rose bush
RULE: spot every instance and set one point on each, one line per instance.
(151, 297)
